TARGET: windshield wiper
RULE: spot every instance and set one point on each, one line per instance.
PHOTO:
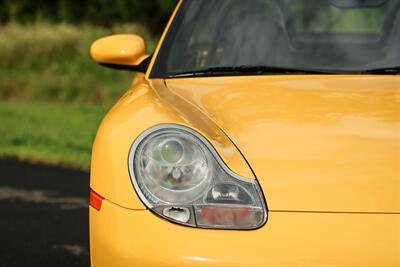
(387, 70)
(240, 70)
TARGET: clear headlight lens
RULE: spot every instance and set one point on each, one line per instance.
(179, 176)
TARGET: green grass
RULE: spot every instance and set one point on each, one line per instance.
(52, 95)
(52, 63)
(57, 134)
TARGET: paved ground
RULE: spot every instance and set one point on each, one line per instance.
(43, 216)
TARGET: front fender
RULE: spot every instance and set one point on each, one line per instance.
(147, 104)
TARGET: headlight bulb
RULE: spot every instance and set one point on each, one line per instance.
(171, 150)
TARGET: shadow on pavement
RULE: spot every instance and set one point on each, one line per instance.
(43, 216)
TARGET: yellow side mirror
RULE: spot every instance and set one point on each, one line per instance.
(123, 51)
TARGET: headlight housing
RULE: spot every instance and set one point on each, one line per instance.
(179, 176)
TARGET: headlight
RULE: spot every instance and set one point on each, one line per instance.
(178, 175)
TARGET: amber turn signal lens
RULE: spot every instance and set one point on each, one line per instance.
(95, 200)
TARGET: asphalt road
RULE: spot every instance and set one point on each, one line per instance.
(43, 216)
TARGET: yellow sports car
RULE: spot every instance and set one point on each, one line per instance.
(259, 133)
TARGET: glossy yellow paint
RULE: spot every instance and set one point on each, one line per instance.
(325, 149)
(121, 49)
(123, 238)
(326, 144)
(315, 143)
(140, 109)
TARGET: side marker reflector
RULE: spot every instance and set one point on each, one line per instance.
(95, 200)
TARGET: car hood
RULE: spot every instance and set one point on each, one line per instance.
(315, 143)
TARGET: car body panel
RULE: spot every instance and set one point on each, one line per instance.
(121, 237)
(138, 110)
(287, 131)
(315, 142)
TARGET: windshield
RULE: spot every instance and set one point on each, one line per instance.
(333, 35)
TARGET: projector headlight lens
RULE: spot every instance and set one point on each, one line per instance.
(179, 176)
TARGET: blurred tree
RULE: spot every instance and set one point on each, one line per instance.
(63, 11)
(152, 13)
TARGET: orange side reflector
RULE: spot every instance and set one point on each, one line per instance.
(95, 200)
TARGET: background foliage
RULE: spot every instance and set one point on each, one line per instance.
(52, 95)
(152, 13)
